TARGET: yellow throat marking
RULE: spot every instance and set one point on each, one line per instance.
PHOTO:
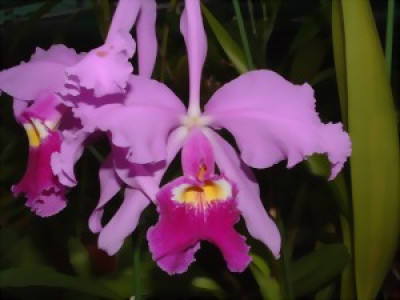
(209, 192)
(37, 131)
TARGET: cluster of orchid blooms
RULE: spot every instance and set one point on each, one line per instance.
(63, 98)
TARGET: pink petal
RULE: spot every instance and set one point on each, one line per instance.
(143, 123)
(258, 223)
(45, 194)
(49, 203)
(193, 32)
(133, 127)
(106, 69)
(38, 175)
(147, 177)
(137, 176)
(124, 222)
(46, 107)
(19, 106)
(110, 185)
(123, 19)
(273, 119)
(144, 91)
(197, 153)
(58, 54)
(27, 80)
(146, 37)
(45, 72)
(63, 161)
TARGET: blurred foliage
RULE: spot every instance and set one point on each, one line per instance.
(57, 257)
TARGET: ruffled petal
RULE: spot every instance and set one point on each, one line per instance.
(45, 72)
(142, 124)
(44, 193)
(58, 54)
(138, 176)
(27, 80)
(195, 37)
(48, 203)
(273, 119)
(106, 69)
(146, 37)
(63, 161)
(147, 177)
(124, 222)
(191, 211)
(258, 223)
(133, 127)
(110, 185)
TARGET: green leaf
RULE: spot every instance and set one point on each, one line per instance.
(43, 276)
(314, 271)
(231, 49)
(339, 56)
(375, 162)
(268, 285)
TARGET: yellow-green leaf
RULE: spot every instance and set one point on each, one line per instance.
(375, 159)
(231, 49)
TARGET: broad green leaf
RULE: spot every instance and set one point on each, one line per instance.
(268, 285)
(44, 276)
(318, 268)
(231, 49)
(375, 159)
(347, 287)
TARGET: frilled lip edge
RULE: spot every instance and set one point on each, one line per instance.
(45, 194)
(190, 212)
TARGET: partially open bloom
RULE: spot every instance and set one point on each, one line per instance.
(43, 90)
(271, 120)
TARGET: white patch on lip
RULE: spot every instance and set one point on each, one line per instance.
(207, 193)
(40, 128)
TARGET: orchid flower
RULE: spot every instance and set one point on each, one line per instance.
(42, 89)
(115, 172)
(271, 120)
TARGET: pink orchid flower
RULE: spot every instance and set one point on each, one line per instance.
(43, 88)
(271, 120)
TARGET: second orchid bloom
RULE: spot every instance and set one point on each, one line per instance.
(270, 118)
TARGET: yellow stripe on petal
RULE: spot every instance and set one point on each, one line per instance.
(37, 131)
(33, 135)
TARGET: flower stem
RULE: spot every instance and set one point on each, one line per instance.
(389, 36)
(243, 34)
